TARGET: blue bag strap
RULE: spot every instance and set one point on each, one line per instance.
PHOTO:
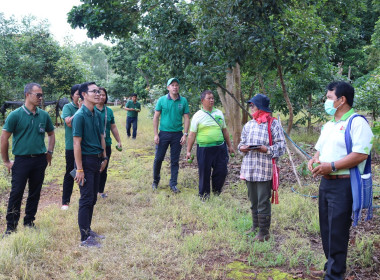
(367, 168)
(356, 181)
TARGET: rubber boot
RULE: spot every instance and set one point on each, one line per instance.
(255, 224)
(264, 225)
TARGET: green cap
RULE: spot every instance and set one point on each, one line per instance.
(172, 80)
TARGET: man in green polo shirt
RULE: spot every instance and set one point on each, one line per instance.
(171, 108)
(68, 113)
(90, 159)
(28, 124)
(133, 108)
(209, 128)
(335, 194)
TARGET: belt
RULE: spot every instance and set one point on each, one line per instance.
(96, 155)
(334, 177)
(31, 155)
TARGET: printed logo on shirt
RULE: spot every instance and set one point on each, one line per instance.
(180, 106)
(41, 128)
(219, 119)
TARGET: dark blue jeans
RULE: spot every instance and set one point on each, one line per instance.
(130, 121)
(335, 209)
(215, 158)
(88, 194)
(68, 180)
(173, 139)
(31, 169)
(103, 175)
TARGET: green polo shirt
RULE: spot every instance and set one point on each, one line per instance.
(132, 105)
(69, 110)
(110, 120)
(88, 125)
(172, 112)
(28, 130)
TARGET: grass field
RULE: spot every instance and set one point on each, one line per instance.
(165, 236)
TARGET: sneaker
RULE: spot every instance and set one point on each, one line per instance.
(65, 207)
(103, 195)
(95, 235)
(174, 189)
(90, 242)
(154, 186)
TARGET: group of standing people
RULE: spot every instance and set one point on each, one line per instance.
(262, 142)
(89, 123)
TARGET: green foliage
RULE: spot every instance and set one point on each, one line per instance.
(376, 132)
(367, 93)
(28, 53)
(198, 41)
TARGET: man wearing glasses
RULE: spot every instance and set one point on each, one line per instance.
(28, 124)
(90, 159)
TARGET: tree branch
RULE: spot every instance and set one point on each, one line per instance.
(233, 97)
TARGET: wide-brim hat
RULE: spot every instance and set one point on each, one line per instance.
(172, 80)
(261, 101)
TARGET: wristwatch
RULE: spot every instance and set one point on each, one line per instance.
(268, 151)
(333, 168)
(185, 133)
(105, 158)
(50, 152)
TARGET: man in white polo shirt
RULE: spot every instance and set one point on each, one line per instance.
(335, 195)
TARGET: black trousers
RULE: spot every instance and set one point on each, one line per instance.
(68, 180)
(131, 121)
(103, 175)
(335, 209)
(88, 194)
(215, 158)
(173, 139)
(31, 169)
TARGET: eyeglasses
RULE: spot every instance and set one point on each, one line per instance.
(39, 95)
(96, 91)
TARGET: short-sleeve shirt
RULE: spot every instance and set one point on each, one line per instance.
(331, 143)
(88, 125)
(209, 133)
(172, 112)
(130, 104)
(110, 120)
(69, 110)
(28, 130)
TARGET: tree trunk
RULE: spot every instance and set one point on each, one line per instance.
(243, 101)
(237, 113)
(309, 115)
(262, 86)
(231, 103)
(286, 97)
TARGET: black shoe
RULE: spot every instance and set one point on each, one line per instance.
(174, 189)
(30, 225)
(154, 186)
(7, 233)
